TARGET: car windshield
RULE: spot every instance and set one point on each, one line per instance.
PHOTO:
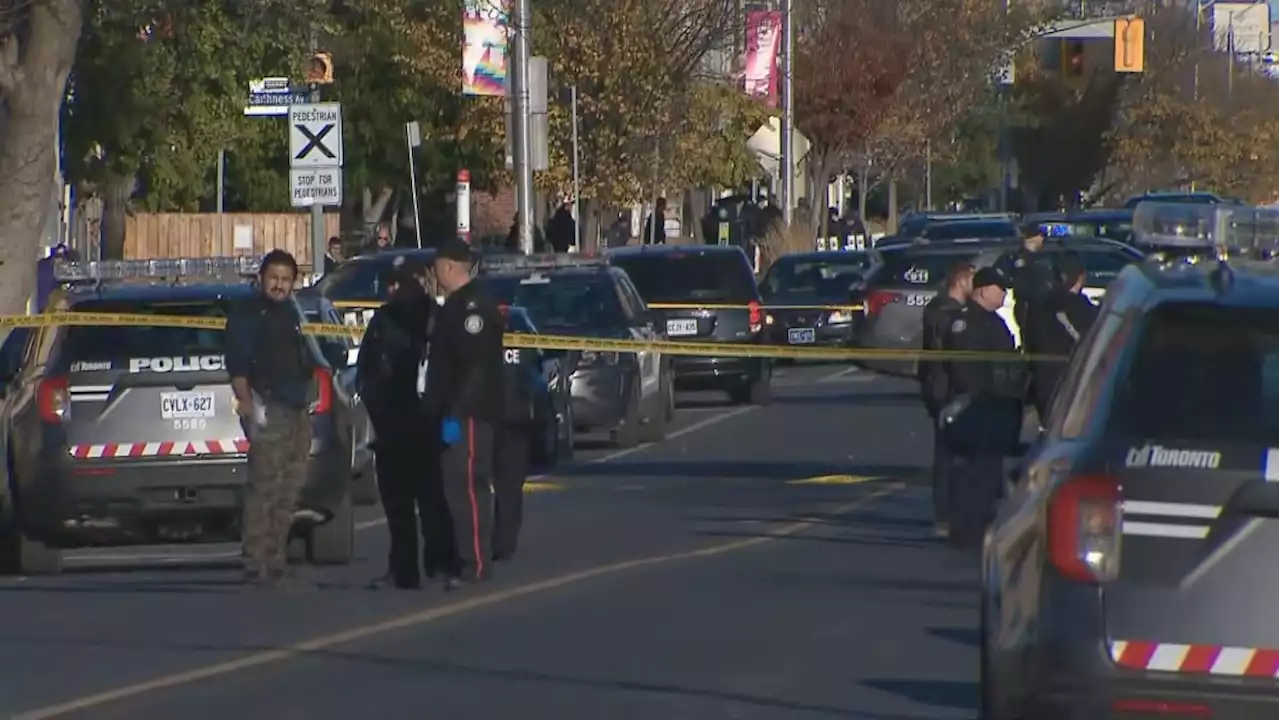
(356, 280)
(683, 277)
(111, 346)
(562, 303)
(965, 230)
(1117, 230)
(922, 269)
(1103, 266)
(826, 277)
(1203, 373)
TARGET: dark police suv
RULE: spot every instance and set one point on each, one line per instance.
(127, 434)
(1132, 571)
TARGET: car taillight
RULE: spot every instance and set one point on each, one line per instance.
(1085, 527)
(53, 398)
(324, 391)
(878, 299)
(755, 316)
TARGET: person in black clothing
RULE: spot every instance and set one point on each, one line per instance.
(513, 238)
(512, 442)
(463, 397)
(935, 389)
(984, 420)
(1030, 272)
(390, 350)
(1055, 326)
(562, 230)
(655, 228)
(332, 255)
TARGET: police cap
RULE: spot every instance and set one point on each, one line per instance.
(1030, 230)
(456, 249)
(990, 276)
(405, 269)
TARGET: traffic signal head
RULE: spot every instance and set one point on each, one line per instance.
(320, 69)
(1073, 58)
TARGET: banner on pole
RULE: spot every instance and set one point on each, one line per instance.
(484, 47)
(760, 61)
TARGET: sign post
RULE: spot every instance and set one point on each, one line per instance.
(413, 138)
(462, 201)
(315, 164)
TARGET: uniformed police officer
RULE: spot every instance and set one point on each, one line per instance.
(463, 389)
(935, 389)
(1030, 272)
(512, 441)
(1055, 327)
(984, 421)
(390, 351)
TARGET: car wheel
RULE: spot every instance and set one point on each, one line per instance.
(670, 399)
(991, 704)
(627, 434)
(334, 543)
(754, 392)
(20, 555)
(655, 427)
(564, 436)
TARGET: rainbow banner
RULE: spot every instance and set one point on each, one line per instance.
(484, 47)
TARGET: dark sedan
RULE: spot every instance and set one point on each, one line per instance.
(810, 297)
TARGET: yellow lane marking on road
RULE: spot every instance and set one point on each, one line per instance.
(835, 480)
(542, 486)
(426, 616)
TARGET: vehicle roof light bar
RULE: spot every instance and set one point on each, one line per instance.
(79, 271)
(516, 262)
(1225, 230)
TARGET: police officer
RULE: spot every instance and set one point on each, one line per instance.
(935, 389)
(270, 370)
(1030, 272)
(390, 350)
(984, 420)
(463, 390)
(512, 447)
(1055, 326)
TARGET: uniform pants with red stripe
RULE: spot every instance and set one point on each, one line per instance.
(467, 471)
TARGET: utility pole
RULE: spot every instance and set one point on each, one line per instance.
(577, 208)
(521, 155)
(786, 194)
(317, 210)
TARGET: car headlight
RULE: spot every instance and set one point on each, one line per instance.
(840, 316)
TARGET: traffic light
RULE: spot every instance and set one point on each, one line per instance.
(1072, 58)
(320, 69)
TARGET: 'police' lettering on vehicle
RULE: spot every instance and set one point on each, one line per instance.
(1158, 456)
(176, 364)
(511, 357)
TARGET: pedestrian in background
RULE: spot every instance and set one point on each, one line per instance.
(271, 369)
(1055, 327)
(463, 392)
(46, 280)
(562, 229)
(655, 228)
(935, 387)
(390, 351)
(332, 255)
(382, 239)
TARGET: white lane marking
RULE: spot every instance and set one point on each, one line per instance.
(1187, 532)
(1188, 510)
(842, 375)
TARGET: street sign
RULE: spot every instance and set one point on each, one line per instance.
(315, 135)
(272, 96)
(315, 186)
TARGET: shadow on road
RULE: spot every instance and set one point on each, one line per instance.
(960, 695)
(757, 469)
(967, 637)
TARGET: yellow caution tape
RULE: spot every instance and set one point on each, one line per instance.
(541, 342)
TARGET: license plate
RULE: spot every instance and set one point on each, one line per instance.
(180, 405)
(678, 328)
(801, 336)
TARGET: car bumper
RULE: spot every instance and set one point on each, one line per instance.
(714, 373)
(874, 337)
(1132, 696)
(598, 396)
(138, 501)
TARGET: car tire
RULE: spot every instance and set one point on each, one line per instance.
(564, 436)
(20, 555)
(990, 704)
(627, 434)
(334, 543)
(754, 392)
(670, 400)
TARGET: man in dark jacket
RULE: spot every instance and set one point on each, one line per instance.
(390, 351)
(1055, 326)
(562, 230)
(1030, 273)
(935, 389)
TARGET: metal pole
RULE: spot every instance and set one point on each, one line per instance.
(786, 194)
(522, 158)
(653, 212)
(317, 210)
(928, 174)
(413, 184)
(222, 166)
(577, 212)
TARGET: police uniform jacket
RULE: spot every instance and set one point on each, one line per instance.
(1032, 275)
(1055, 327)
(939, 314)
(464, 358)
(390, 350)
(992, 389)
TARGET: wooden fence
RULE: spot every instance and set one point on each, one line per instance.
(161, 235)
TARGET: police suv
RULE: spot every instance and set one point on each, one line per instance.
(127, 434)
(1132, 570)
(538, 393)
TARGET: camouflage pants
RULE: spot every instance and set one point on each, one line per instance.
(277, 471)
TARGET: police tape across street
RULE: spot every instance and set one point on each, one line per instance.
(539, 341)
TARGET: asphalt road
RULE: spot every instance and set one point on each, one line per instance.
(768, 562)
